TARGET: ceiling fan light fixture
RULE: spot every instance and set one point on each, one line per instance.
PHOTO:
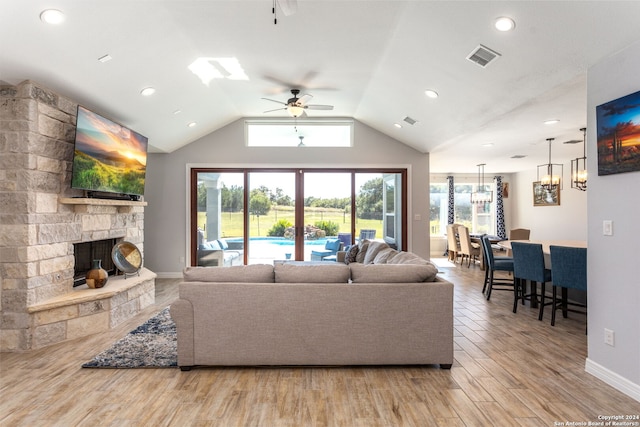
(295, 110)
(504, 23)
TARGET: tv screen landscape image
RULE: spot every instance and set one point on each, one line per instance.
(108, 157)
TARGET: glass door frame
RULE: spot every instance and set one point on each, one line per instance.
(299, 202)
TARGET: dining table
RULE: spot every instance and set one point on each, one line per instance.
(506, 244)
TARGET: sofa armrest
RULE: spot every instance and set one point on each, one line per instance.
(340, 256)
(182, 314)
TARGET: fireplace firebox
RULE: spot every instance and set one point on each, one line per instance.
(84, 254)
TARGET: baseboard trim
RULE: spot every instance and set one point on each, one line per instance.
(614, 380)
(169, 275)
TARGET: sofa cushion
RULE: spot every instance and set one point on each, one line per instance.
(223, 244)
(364, 246)
(385, 255)
(392, 273)
(314, 273)
(372, 251)
(352, 254)
(254, 273)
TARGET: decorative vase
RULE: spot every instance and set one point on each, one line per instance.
(97, 277)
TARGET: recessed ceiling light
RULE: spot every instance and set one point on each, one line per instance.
(551, 121)
(105, 58)
(431, 93)
(147, 91)
(192, 124)
(504, 23)
(488, 144)
(397, 125)
(52, 16)
(177, 112)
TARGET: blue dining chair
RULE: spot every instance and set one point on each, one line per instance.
(493, 264)
(569, 271)
(528, 264)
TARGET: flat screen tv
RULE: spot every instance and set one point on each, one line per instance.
(109, 159)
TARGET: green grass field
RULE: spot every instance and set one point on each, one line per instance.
(259, 226)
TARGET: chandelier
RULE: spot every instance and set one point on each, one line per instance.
(579, 166)
(550, 178)
(482, 195)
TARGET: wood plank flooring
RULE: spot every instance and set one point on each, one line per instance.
(510, 370)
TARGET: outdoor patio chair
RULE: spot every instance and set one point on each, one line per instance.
(331, 248)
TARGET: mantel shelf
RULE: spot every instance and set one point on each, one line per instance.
(99, 202)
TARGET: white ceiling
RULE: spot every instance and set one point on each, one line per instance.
(372, 60)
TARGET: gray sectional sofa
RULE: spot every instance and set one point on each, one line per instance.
(327, 314)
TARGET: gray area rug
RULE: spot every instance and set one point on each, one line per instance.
(151, 345)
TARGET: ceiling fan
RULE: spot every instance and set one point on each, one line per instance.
(295, 106)
(288, 7)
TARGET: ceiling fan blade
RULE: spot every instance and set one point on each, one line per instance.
(277, 109)
(273, 100)
(305, 98)
(288, 7)
(319, 107)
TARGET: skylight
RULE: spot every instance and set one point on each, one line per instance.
(208, 69)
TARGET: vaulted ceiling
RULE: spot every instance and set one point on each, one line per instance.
(371, 60)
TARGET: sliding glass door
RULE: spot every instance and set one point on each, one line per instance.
(257, 216)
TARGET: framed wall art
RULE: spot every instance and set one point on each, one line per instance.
(545, 197)
(618, 124)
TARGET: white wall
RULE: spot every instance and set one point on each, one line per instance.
(568, 221)
(166, 244)
(613, 274)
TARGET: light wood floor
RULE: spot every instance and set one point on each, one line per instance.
(510, 370)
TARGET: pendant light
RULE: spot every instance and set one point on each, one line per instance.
(482, 195)
(550, 179)
(579, 166)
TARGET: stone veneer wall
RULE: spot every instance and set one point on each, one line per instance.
(37, 231)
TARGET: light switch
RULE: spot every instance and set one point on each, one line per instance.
(607, 227)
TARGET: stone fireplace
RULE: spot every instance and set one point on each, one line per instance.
(42, 219)
(85, 252)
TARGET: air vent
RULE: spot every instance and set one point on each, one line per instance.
(410, 120)
(483, 56)
(518, 156)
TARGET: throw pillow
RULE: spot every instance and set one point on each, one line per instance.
(372, 251)
(364, 246)
(407, 258)
(351, 255)
(385, 255)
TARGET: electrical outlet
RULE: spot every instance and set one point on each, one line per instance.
(609, 337)
(181, 260)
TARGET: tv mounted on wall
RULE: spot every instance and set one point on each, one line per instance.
(109, 159)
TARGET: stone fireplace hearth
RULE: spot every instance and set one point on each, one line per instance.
(42, 217)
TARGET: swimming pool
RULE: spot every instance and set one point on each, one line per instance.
(264, 250)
